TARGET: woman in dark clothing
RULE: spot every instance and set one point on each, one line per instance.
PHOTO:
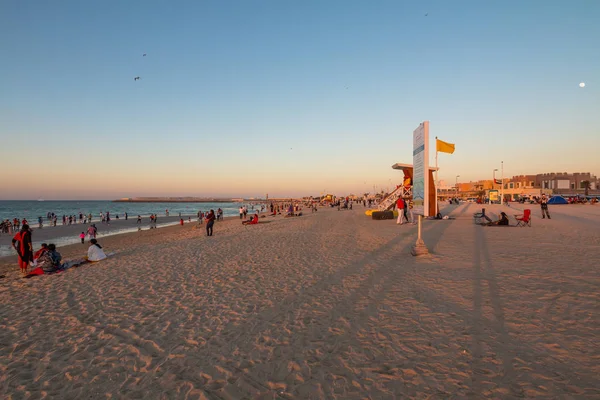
(210, 221)
(22, 243)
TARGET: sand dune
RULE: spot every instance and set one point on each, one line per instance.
(329, 305)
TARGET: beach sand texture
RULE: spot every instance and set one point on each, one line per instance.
(328, 305)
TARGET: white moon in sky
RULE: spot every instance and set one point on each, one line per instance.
(582, 84)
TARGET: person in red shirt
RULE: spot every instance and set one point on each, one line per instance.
(22, 243)
(400, 207)
(252, 221)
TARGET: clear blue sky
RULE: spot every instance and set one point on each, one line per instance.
(288, 97)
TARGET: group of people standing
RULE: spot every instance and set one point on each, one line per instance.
(8, 226)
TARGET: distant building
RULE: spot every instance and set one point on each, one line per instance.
(561, 183)
(567, 184)
(523, 186)
(477, 189)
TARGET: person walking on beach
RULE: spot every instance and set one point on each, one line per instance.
(210, 221)
(126, 216)
(139, 219)
(91, 232)
(241, 212)
(22, 244)
(82, 237)
(544, 204)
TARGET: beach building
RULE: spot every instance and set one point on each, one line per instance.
(529, 186)
(522, 187)
(552, 183)
(567, 184)
(478, 189)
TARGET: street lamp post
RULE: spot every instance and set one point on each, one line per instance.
(502, 187)
(456, 185)
(493, 182)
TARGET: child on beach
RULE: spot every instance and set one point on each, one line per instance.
(82, 237)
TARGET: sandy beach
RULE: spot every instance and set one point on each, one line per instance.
(64, 234)
(327, 305)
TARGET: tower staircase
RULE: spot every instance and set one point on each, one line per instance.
(390, 200)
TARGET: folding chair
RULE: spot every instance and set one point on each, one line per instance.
(524, 219)
(480, 217)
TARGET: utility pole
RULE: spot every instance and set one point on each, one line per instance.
(456, 185)
(502, 188)
(493, 183)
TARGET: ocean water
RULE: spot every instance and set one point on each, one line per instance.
(31, 210)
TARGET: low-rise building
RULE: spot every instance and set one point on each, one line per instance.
(526, 186)
(567, 184)
(561, 183)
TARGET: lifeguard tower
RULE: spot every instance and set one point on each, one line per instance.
(405, 190)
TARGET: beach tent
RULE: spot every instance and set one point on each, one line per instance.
(557, 200)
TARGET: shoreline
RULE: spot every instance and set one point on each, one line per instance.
(113, 239)
(68, 233)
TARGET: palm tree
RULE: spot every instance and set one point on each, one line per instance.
(587, 186)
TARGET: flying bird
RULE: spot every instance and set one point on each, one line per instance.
(137, 78)
(144, 55)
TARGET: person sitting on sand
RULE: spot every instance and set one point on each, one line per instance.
(95, 252)
(252, 221)
(40, 252)
(50, 260)
(502, 221)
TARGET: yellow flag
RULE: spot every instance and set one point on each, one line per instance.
(443, 146)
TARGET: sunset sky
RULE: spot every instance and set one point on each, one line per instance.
(243, 98)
